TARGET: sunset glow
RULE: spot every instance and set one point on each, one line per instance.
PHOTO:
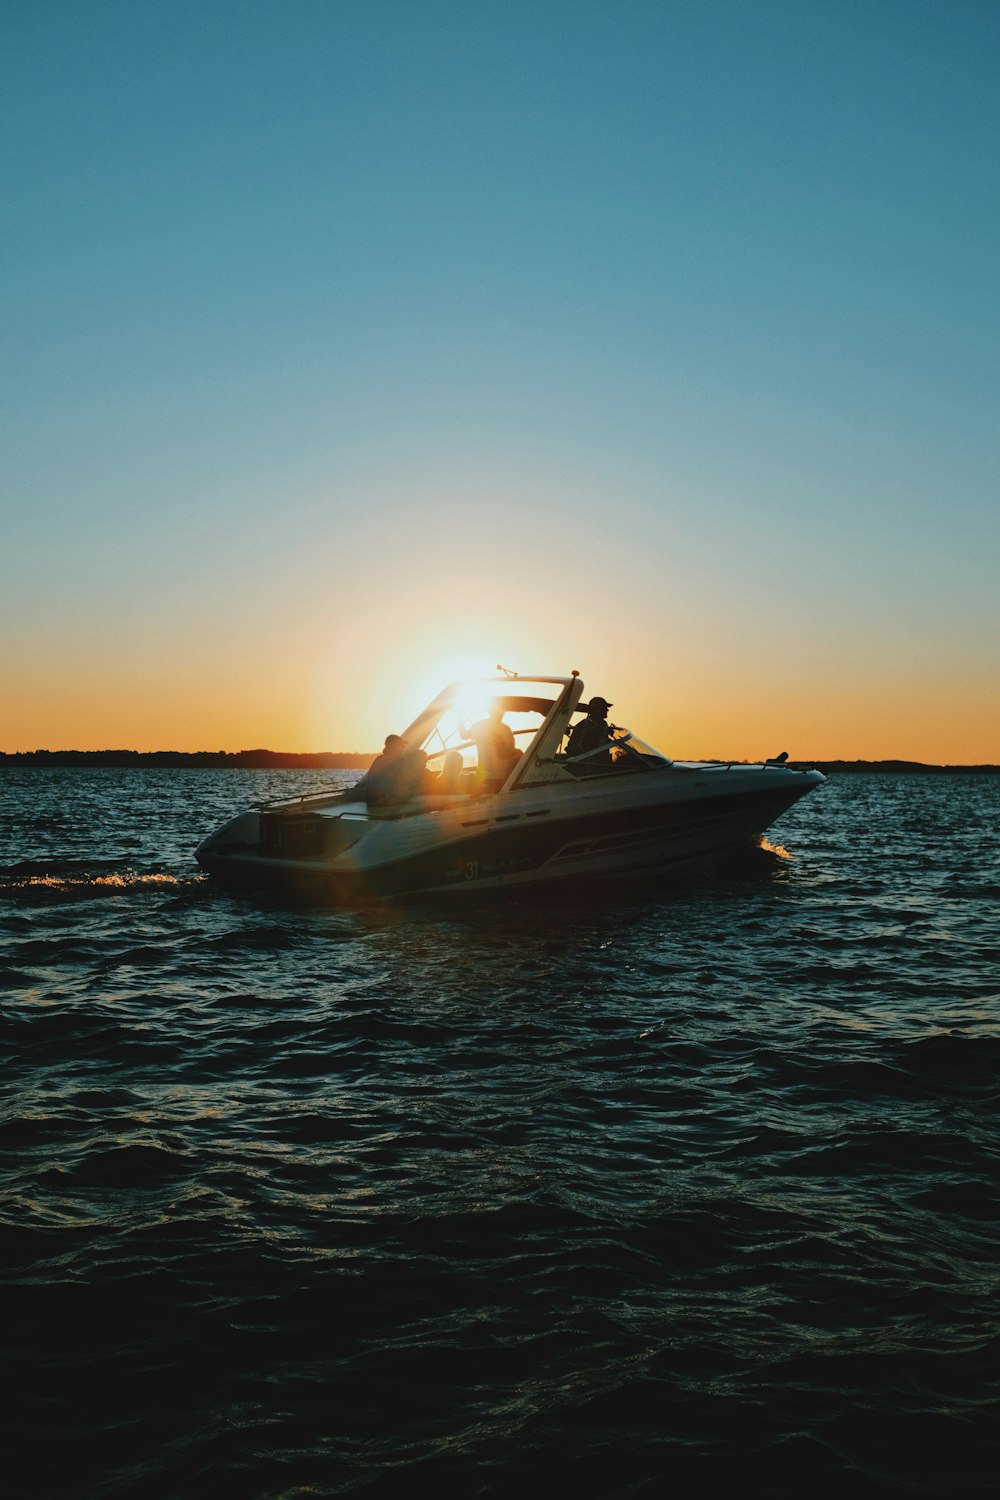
(662, 352)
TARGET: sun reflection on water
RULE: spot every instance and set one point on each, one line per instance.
(117, 880)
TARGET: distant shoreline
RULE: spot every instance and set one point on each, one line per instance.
(253, 760)
(339, 760)
(896, 767)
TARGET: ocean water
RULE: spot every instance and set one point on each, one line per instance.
(620, 1194)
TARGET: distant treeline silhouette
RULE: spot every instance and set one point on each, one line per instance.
(901, 767)
(356, 760)
(254, 760)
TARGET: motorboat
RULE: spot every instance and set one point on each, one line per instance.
(494, 785)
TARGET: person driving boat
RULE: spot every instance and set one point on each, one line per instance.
(592, 732)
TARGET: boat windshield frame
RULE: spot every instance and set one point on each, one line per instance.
(515, 692)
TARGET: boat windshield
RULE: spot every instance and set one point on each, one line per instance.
(448, 728)
(632, 743)
(623, 751)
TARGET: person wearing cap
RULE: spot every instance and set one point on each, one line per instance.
(591, 733)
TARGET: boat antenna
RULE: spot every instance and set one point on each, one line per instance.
(506, 671)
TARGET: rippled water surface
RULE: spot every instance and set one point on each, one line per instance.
(619, 1194)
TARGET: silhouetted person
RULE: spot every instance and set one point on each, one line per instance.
(591, 733)
(450, 779)
(395, 775)
(495, 750)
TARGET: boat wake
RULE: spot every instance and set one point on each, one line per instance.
(777, 850)
(71, 881)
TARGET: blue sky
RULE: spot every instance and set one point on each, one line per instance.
(349, 342)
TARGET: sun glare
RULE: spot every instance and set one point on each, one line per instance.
(429, 681)
(472, 703)
(386, 688)
(435, 660)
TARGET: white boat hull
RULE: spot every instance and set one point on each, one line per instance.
(336, 849)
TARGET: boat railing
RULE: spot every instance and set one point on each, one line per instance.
(341, 794)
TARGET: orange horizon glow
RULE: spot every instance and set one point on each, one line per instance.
(329, 706)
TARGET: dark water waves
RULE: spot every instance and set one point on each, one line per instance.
(611, 1196)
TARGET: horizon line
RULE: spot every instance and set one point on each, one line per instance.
(324, 759)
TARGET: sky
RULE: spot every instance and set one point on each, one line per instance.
(352, 348)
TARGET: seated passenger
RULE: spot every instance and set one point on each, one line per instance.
(591, 733)
(449, 781)
(495, 750)
(395, 775)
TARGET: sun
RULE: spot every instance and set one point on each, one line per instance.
(437, 656)
(434, 677)
(389, 676)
